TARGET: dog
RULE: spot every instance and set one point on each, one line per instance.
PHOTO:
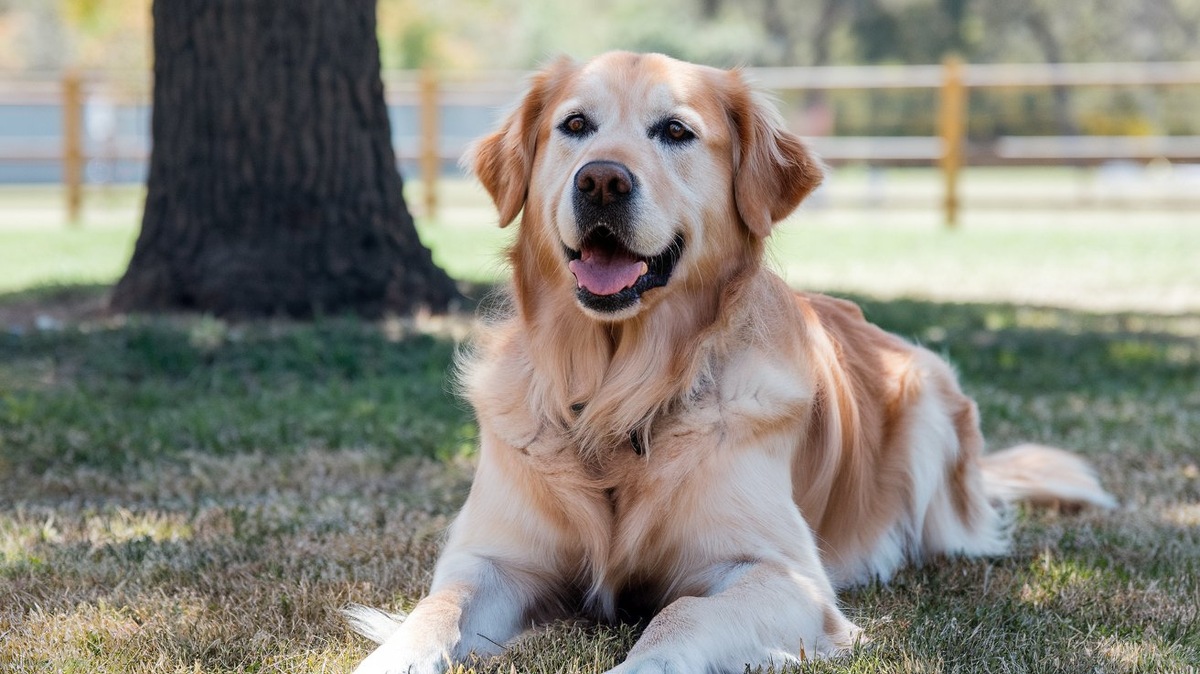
(666, 428)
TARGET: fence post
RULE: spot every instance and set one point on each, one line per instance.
(952, 127)
(430, 154)
(72, 158)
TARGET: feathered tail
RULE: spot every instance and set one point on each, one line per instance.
(372, 623)
(1043, 476)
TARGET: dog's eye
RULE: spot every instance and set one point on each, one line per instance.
(674, 132)
(678, 131)
(576, 125)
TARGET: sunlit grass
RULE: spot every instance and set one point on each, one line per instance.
(185, 494)
(844, 239)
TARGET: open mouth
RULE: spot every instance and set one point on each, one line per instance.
(611, 277)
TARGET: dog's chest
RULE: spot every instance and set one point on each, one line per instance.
(640, 512)
(622, 502)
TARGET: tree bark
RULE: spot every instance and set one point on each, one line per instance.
(273, 187)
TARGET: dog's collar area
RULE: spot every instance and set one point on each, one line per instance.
(635, 440)
(635, 436)
(610, 277)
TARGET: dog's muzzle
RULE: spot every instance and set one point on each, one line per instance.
(610, 275)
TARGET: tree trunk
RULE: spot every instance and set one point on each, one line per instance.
(273, 187)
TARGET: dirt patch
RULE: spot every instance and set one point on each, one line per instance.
(53, 308)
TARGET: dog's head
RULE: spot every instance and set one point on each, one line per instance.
(638, 174)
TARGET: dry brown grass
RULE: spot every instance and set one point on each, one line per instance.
(241, 565)
(222, 565)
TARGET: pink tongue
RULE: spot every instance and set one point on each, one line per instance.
(605, 273)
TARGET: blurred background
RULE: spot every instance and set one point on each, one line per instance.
(935, 112)
(224, 402)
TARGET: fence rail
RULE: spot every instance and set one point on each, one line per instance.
(429, 102)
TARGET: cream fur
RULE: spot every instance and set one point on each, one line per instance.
(789, 446)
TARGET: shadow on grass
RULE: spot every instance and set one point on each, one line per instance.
(52, 305)
(1078, 594)
(107, 392)
(1036, 349)
(104, 392)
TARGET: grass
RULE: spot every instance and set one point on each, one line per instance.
(38, 247)
(183, 494)
(881, 237)
(146, 390)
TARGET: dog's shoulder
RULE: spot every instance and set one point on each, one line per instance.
(757, 370)
(495, 376)
(843, 323)
(832, 308)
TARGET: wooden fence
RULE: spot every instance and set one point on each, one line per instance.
(431, 94)
(952, 80)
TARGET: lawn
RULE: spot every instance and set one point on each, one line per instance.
(881, 237)
(183, 494)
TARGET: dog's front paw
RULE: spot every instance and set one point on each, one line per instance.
(400, 659)
(649, 665)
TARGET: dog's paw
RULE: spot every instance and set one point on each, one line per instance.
(841, 641)
(649, 665)
(398, 660)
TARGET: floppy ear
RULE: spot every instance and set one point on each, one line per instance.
(503, 160)
(773, 170)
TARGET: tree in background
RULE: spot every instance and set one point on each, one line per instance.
(471, 34)
(49, 35)
(273, 186)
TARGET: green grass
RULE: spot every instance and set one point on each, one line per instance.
(38, 247)
(145, 389)
(183, 494)
(31, 257)
(1118, 258)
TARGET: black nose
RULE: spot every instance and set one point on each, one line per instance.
(603, 182)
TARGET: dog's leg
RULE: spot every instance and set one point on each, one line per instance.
(476, 606)
(767, 613)
(497, 572)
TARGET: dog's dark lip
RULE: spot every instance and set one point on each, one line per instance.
(659, 269)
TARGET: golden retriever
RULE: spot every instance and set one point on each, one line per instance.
(667, 429)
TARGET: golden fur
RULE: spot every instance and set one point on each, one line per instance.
(721, 453)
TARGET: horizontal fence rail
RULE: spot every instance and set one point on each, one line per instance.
(980, 75)
(104, 117)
